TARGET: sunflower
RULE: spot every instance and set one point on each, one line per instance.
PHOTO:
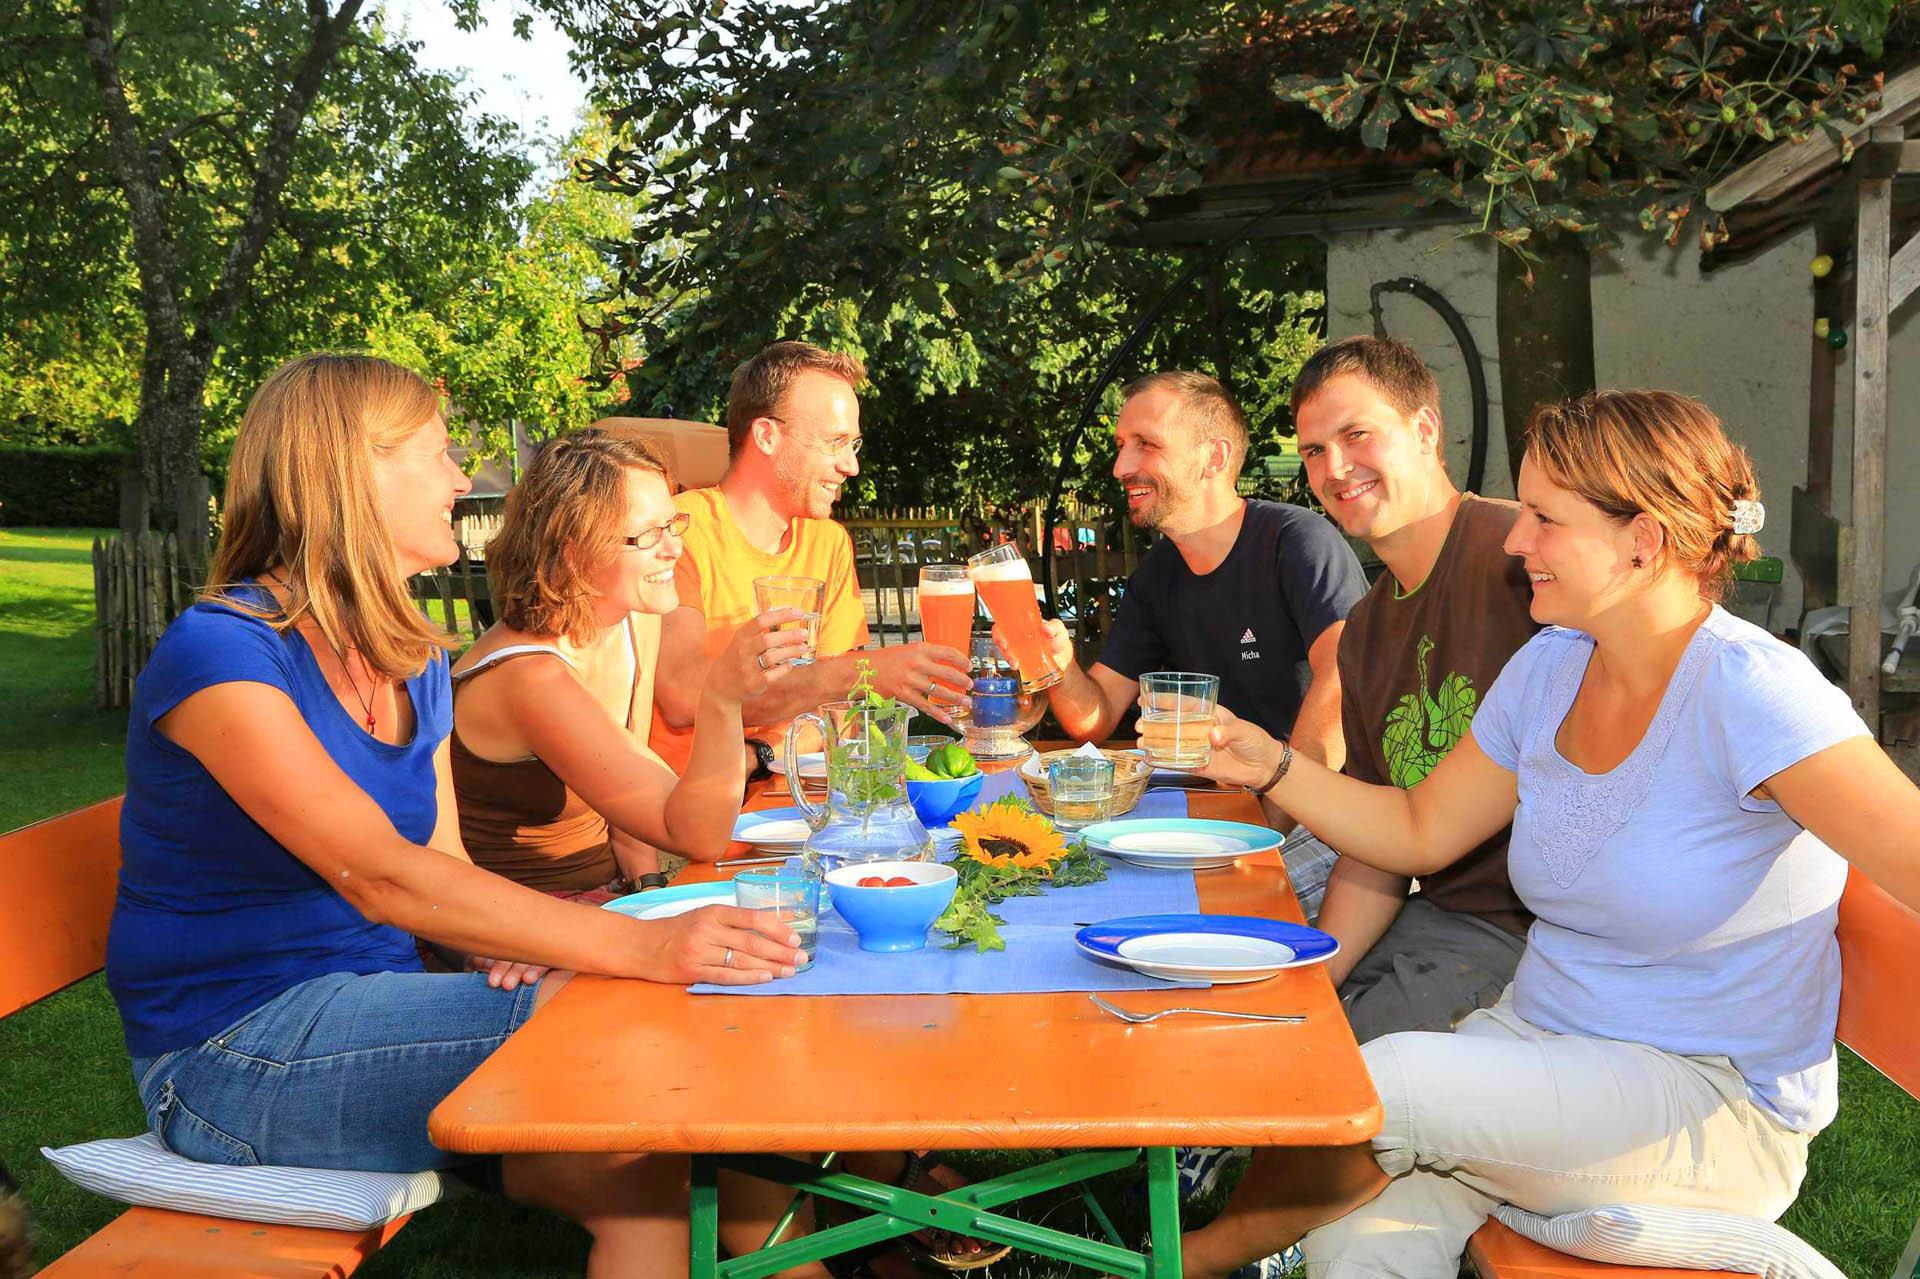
(1007, 834)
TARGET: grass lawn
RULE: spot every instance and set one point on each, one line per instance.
(63, 1068)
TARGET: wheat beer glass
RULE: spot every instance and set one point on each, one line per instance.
(946, 618)
(1006, 585)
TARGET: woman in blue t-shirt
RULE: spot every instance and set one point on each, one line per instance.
(1686, 793)
(289, 830)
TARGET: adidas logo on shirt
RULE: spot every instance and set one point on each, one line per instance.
(1248, 637)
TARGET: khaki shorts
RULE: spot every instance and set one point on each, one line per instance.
(1503, 1111)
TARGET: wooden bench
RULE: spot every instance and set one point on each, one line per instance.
(60, 877)
(1879, 940)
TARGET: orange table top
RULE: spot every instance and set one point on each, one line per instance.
(619, 1065)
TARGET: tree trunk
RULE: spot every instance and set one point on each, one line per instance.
(1545, 329)
(172, 391)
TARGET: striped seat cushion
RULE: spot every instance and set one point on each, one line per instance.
(1681, 1238)
(140, 1170)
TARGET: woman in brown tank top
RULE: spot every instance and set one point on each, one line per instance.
(552, 775)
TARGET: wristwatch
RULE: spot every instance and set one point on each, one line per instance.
(763, 760)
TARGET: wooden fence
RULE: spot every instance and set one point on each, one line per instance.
(139, 586)
(888, 547)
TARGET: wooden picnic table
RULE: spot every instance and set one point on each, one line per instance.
(618, 1065)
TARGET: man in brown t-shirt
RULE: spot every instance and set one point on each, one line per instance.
(1418, 654)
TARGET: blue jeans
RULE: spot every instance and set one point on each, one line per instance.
(338, 1072)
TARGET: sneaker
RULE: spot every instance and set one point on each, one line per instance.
(1200, 1167)
(1280, 1264)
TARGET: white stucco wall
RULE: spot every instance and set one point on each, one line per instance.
(1463, 272)
(1737, 339)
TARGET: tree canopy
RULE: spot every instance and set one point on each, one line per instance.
(195, 190)
(951, 189)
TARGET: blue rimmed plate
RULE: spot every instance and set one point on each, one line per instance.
(664, 903)
(1216, 948)
(1179, 843)
(779, 830)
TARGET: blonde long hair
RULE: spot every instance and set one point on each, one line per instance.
(301, 498)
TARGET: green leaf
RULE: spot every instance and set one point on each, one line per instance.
(1385, 111)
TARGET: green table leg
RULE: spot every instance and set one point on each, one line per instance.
(1163, 1202)
(896, 1211)
(704, 1217)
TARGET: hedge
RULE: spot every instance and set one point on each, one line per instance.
(44, 486)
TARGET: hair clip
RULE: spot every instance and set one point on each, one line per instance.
(1748, 516)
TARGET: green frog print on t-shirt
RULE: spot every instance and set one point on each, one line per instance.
(1421, 728)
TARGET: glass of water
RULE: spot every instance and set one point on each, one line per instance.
(1082, 791)
(791, 894)
(1176, 717)
(802, 593)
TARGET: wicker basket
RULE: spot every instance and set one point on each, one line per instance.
(1130, 774)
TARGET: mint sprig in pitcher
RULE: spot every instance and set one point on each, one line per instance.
(867, 816)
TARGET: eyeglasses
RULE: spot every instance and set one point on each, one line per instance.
(648, 538)
(832, 448)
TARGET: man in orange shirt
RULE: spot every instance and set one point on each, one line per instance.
(793, 432)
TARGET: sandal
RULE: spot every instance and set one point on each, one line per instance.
(945, 1248)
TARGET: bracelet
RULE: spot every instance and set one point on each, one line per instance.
(1286, 762)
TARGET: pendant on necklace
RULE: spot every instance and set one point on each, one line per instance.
(369, 721)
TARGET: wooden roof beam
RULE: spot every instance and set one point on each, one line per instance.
(1778, 170)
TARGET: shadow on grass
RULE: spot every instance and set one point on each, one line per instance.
(47, 554)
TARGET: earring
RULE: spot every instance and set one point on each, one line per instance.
(1638, 563)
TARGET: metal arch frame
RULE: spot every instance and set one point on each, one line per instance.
(1469, 355)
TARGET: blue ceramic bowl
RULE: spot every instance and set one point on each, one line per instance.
(937, 802)
(890, 919)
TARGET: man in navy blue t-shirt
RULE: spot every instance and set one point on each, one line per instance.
(1254, 592)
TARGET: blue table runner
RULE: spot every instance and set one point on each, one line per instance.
(1040, 954)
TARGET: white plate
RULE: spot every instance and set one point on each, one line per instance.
(811, 767)
(1178, 851)
(1205, 957)
(789, 832)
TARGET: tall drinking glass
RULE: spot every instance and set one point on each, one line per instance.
(946, 618)
(1006, 584)
(1176, 717)
(803, 593)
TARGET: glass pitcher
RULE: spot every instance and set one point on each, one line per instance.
(867, 817)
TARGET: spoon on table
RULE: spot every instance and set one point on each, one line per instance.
(1123, 1014)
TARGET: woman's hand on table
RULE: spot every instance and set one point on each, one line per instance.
(725, 945)
(505, 974)
(759, 655)
(1243, 752)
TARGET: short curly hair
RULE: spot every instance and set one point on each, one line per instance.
(573, 496)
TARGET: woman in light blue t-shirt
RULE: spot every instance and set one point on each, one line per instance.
(1686, 792)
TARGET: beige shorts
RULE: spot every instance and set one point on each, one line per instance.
(1503, 1111)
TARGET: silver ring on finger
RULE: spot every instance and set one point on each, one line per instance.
(727, 961)
(761, 661)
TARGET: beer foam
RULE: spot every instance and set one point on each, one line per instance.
(946, 588)
(1001, 571)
